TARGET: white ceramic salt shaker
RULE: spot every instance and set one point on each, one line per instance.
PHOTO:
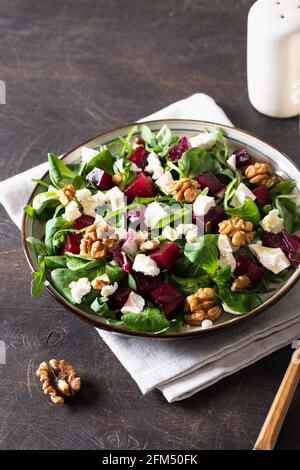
(273, 57)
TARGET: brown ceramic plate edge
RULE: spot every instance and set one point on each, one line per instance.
(180, 335)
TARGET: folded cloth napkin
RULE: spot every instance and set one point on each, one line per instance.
(180, 368)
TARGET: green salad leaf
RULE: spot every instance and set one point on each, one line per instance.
(195, 161)
(103, 160)
(52, 226)
(204, 253)
(239, 302)
(248, 211)
(289, 211)
(150, 319)
(60, 175)
(62, 277)
(283, 187)
(189, 285)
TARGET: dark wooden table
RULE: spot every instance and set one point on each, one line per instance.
(73, 69)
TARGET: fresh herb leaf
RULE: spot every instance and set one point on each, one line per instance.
(204, 253)
(101, 309)
(38, 245)
(189, 285)
(164, 136)
(195, 161)
(29, 210)
(223, 276)
(148, 136)
(150, 319)
(131, 282)
(61, 279)
(103, 160)
(38, 279)
(54, 262)
(59, 173)
(289, 212)
(45, 200)
(115, 273)
(52, 227)
(248, 211)
(79, 262)
(281, 188)
(239, 302)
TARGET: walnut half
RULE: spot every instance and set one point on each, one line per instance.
(59, 380)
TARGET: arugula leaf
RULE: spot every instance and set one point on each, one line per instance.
(126, 147)
(164, 136)
(103, 160)
(189, 285)
(184, 268)
(239, 302)
(230, 190)
(45, 200)
(38, 279)
(223, 276)
(148, 136)
(52, 226)
(281, 188)
(150, 319)
(195, 161)
(59, 173)
(29, 210)
(248, 211)
(53, 262)
(38, 245)
(289, 212)
(203, 252)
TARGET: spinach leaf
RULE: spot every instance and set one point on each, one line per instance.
(38, 245)
(79, 262)
(148, 136)
(184, 268)
(59, 173)
(52, 226)
(223, 276)
(289, 212)
(45, 200)
(239, 302)
(189, 285)
(38, 279)
(283, 187)
(150, 319)
(29, 210)
(248, 211)
(203, 252)
(164, 136)
(195, 161)
(53, 262)
(62, 277)
(103, 160)
(115, 273)
(101, 308)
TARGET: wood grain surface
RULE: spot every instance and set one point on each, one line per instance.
(72, 70)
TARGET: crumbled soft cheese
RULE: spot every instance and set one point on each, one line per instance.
(119, 166)
(165, 182)
(62, 197)
(154, 213)
(189, 230)
(133, 239)
(203, 204)
(204, 140)
(116, 198)
(134, 304)
(231, 161)
(89, 201)
(79, 289)
(224, 244)
(135, 168)
(87, 154)
(72, 211)
(241, 194)
(273, 259)
(154, 166)
(108, 290)
(170, 233)
(227, 259)
(206, 323)
(144, 264)
(272, 222)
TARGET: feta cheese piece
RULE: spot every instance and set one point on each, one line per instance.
(119, 166)
(144, 264)
(231, 161)
(72, 211)
(205, 140)
(153, 214)
(165, 182)
(170, 233)
(273, 259)
(135, 168)
(110, 289)
(79, 289)
(87, 154)
(190, 231)
(272, 222)
(134, 304)
(203, 204)
(227, 259)
(133, 239)
(89, 201)
(224, 244)
(116, 198)
(206, 323)
(241, 194)
(62, 197)
(154, 166)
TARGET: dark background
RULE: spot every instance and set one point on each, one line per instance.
(72, 70)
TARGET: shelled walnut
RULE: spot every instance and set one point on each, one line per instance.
(258, 173)
(201, 306)
(238, 230)
(185, 189)
(240, 283)
(59, 380)
(97, 240)
(66, 194)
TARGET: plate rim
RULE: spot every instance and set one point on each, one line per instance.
(186, 334)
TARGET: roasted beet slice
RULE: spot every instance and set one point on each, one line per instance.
(139, 157)
(119, 298)
(177, 150)
(168, 299)
(166, 256)
(262, 195)
(71, 244)
(122, 259)
(242, 157)
(100, 178)
(244, 266)
(146, 284)
(141, 186)
(272, 240)
(210, 181)
(83, 221)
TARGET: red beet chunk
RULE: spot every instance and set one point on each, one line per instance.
(119, 298)
(83, 221)
(71, 244)
(100, 178)
(242, 157)
(244, 266)
(168, 299)
(210, 181)
(139, 157)
(166, 256)
(262, 195)
(214, 216)
(272, 240)
(141, 186)
(177, 150)
(146, 284)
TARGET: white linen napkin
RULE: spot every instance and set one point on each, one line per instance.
(180, 368)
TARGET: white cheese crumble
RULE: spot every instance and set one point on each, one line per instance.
(79, 289)
(241, 194)
(89, 201)
(72, 211)
(170, 233)
(204, 140)
(87, 154)
(154, 166)
(153, 214)
(273, 259)
(227, 259)
(206, 323)
(62, 197)
(134, 304)
(116, 198)
(224, 244)
(110, 289)
(130, 246)
(144, 264)
(231, 161)
(203, 204)
(190, 231)
(165, 182)
(272, 222)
